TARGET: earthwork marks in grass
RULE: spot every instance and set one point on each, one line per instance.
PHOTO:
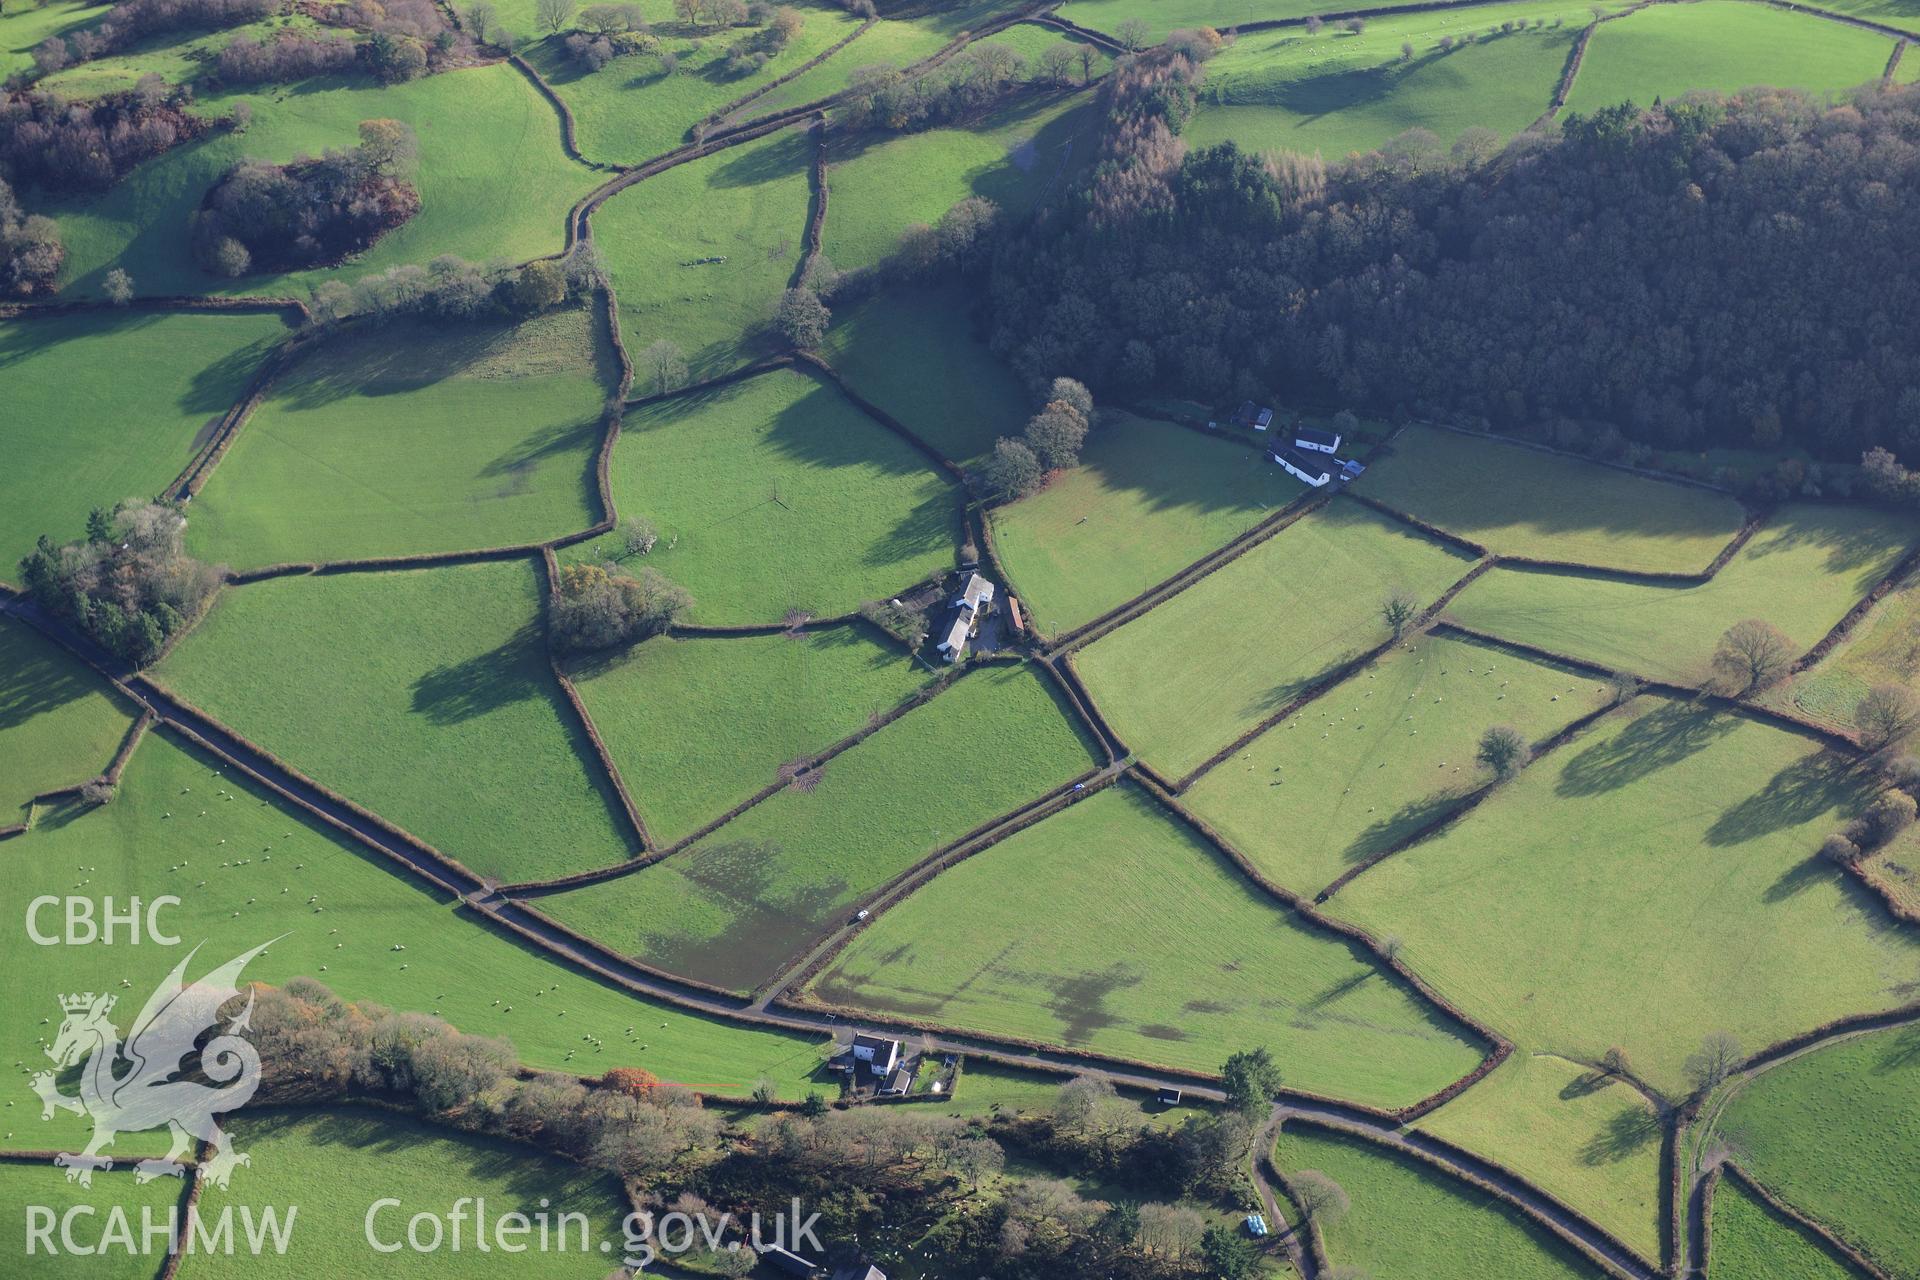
(1111, 927)
(752, 895)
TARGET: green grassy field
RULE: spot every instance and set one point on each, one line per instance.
(891, 42)
(424, 695)
(914, 355)
(631, 110)
(1189, 676)
(1696, 828)
(1409, 1223)
(25, 25)
(1334, 92)
(1109, 927)
(1015, 156)
(176, 56)
(1836, 1134)
(1031, 39)
(698, 724)
(1163, 16)
(156, 384)
(1666, 50)
(336, 1166)
(59, 723)
(709, 282)
(1751, 1242)
(751, 895)
(1801, 572)
(41, 1185)
(1147, 501)
(1520, 502)
(414, 438)
(777, 493)
(494, 184)
(481, 980)
(1369, 764)
(1596, 1146)
(1883, 649)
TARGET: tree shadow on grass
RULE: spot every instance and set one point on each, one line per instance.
(1798, 793)
(1627, 1133)
(36, 681)
(392, 360)
(1655, 741)
(1902, 1052)
(483, 683)
(1383, 834)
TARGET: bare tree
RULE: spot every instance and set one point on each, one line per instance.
(1719, 1055)
(1752, 653)
(1887, 716)
(1321, 1198)
(1399, 609)
(666, 365)
(553, 14)
(118, 286)
(1133, 33)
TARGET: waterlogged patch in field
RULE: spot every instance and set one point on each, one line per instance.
(424, 695)
(1195, 672)
(1836, 1134)
(1147, 500)
(337, 1167)
(59, 723)
(1666, 50)
(412, 438)
(1336, 92)
(776, 493)
(751, 895)
(494, 183)
(1752, 1242)
(913, 354)
(1521, 502)
(156, 386)
(1665, 821)
(1409, 1221)
(700, 723)
(1111, 928)
(351, 920)
(1015, 156)
(1374, 761)
(635, 107)
(1591, 1141)
(700, 254)
(1801, 572)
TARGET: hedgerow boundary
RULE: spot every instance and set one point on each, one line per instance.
(1820, 1235)
(110, 776)
(1490, 1178)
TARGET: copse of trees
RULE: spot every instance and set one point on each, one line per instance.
(451, 288)
(30, 249)
(310, 212)
(129, 584)
(286, 57)
(972, 80)
(59, 146)
(1051, 442)
(597, 606)
(131, 21)
(1438, 281)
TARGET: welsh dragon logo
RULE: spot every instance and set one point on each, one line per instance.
(139, 1085)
